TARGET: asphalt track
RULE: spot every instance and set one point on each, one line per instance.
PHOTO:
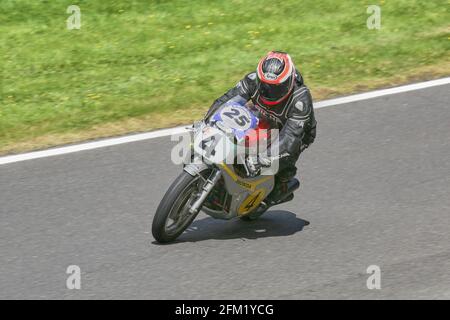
(375, 191)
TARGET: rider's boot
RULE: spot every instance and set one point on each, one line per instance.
(283, 191)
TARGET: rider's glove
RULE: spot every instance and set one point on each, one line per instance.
(255, 163)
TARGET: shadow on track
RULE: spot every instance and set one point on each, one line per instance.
(274, 223)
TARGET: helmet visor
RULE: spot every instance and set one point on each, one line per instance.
(274, 92)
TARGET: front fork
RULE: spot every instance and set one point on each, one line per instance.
(206, 190)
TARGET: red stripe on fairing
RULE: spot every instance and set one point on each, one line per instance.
(287, 67)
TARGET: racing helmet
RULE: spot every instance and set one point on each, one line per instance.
(275, 77)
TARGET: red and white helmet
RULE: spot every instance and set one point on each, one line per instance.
(276, 76)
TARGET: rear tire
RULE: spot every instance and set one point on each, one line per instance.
(177, 198)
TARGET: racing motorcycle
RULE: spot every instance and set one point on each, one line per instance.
(221, 188)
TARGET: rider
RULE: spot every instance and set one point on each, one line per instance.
(278, 94)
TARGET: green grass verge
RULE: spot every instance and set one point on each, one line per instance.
(137, 65)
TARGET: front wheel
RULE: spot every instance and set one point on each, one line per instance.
(172, 216)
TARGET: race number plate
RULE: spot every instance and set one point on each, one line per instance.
(212, 145)
(236, 118)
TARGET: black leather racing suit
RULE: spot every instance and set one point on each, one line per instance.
(294, 117)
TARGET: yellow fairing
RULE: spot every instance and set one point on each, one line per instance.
(252, 202)
(250, 185)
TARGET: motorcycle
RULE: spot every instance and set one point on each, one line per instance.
(221, 188)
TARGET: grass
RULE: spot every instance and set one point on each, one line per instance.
(138, 65)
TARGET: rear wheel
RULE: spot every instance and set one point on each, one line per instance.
(172, 216)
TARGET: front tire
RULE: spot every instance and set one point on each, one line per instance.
(175, 207)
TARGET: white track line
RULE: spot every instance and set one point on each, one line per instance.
(177, 130)
(91, 145)
(380, 93)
